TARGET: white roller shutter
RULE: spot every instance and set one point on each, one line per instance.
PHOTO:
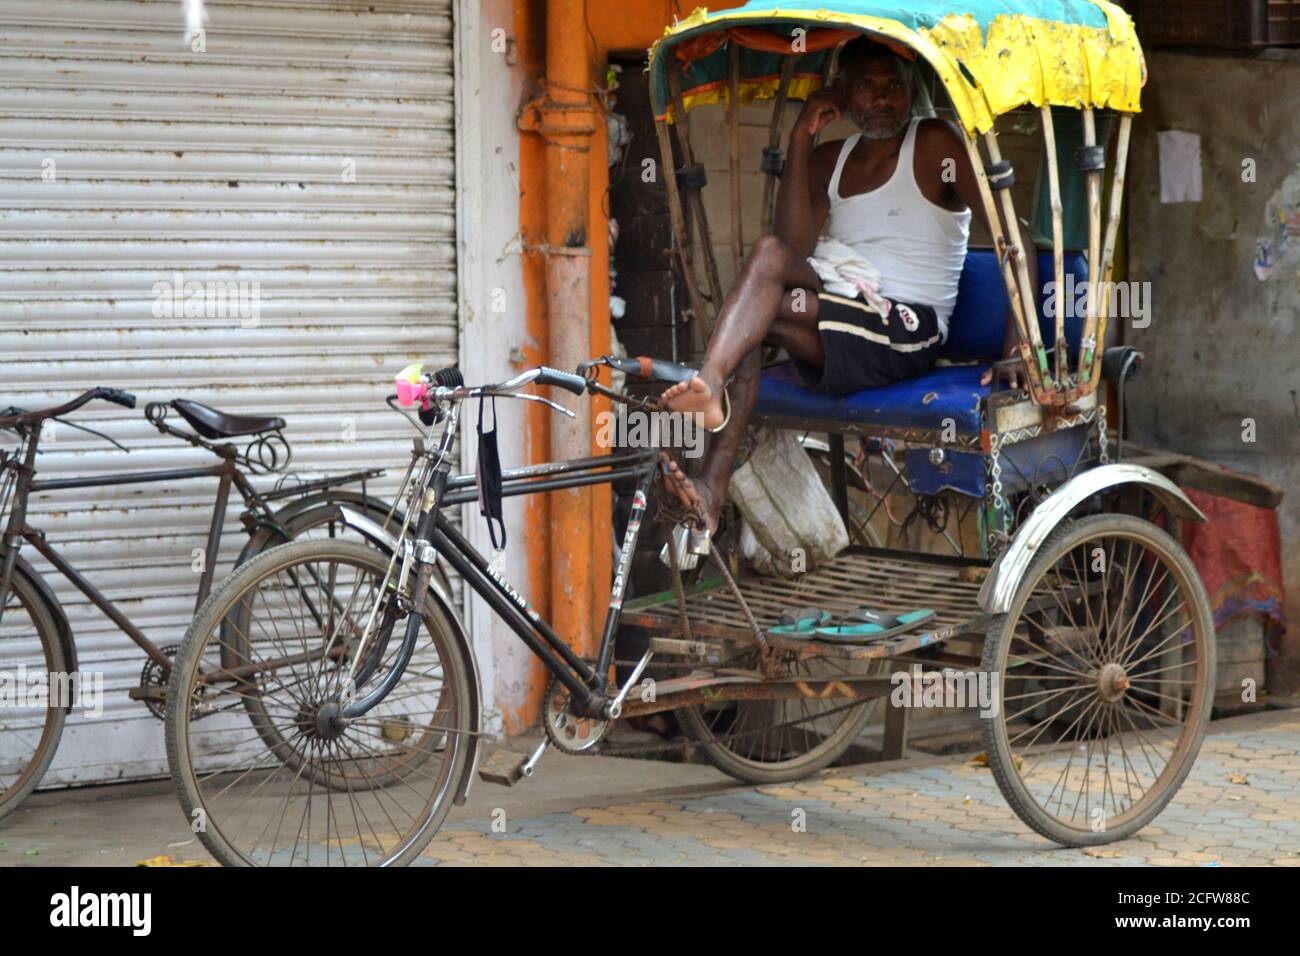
(232, 164)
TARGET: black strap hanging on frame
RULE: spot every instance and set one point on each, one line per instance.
(488, 472)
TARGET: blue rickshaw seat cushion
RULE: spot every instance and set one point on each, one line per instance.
(953, 392)
(947, 393)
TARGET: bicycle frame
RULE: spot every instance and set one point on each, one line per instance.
(435, 535)
(226, 471)
(588, 686)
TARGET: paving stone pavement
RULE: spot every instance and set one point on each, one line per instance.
(1239, 806)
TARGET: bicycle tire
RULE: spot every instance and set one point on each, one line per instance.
(27, 597)
(190, 780)
(1012, 771)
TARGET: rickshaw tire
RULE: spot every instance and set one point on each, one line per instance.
(748, 772)
(1005, 772)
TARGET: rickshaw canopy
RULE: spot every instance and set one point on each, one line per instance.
(990, 56)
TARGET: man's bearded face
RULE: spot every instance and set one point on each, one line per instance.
(879, 96)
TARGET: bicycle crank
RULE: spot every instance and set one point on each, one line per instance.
(569, 732)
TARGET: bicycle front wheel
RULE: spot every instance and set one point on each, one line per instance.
(264, 773)
(29, 727)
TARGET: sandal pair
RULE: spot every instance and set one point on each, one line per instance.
(856, 626)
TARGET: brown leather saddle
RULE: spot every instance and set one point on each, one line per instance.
(213, 424)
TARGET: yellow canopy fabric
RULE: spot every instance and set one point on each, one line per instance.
(989, 61)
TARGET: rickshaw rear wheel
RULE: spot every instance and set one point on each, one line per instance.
(775, 741)
(1103, 668)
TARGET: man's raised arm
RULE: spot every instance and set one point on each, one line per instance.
(801, 202)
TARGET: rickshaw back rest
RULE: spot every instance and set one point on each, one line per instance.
(979, 321)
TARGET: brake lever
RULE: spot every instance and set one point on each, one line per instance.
(107, 438)
(537, 398)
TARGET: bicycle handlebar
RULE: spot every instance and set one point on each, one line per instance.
(565, 380)
(418, 387)
(658, 370)
(115, 395)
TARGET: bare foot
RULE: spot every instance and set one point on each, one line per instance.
(696, 396)
(696, 492)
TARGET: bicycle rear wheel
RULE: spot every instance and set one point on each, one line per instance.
(266, 778)
(29, 730)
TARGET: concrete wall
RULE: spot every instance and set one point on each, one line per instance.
(1222, 344)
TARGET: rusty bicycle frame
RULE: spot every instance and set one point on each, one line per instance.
(226, 471)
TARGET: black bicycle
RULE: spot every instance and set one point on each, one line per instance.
(35, 635)
(324, 707)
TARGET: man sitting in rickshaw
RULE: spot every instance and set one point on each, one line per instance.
(899, 194)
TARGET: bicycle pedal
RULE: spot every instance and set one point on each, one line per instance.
(505, 767)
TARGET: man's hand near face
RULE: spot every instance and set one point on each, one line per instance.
(819, 111)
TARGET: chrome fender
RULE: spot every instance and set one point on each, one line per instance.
(386, 541)
(1006, 574)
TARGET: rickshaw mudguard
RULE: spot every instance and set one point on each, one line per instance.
(1004, 578)
(384, 539)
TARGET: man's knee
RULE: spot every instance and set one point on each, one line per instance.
(769, 256)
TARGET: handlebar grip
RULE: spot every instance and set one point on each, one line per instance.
(665, 371)
(565, 380)
(659, 370)
(1120, 361)
(118, 397)
(448, 377)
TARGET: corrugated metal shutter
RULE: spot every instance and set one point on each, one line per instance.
(232, 164)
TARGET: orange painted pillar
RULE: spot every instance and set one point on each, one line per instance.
(567, 122)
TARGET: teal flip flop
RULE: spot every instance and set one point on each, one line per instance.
(801, 621)
(869, 624)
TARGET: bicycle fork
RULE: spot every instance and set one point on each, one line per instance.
(423, 555)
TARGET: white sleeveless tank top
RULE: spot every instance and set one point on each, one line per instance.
(918, 247)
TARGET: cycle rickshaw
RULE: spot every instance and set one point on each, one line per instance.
(353, 681)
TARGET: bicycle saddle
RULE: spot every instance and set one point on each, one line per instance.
(211, 423)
